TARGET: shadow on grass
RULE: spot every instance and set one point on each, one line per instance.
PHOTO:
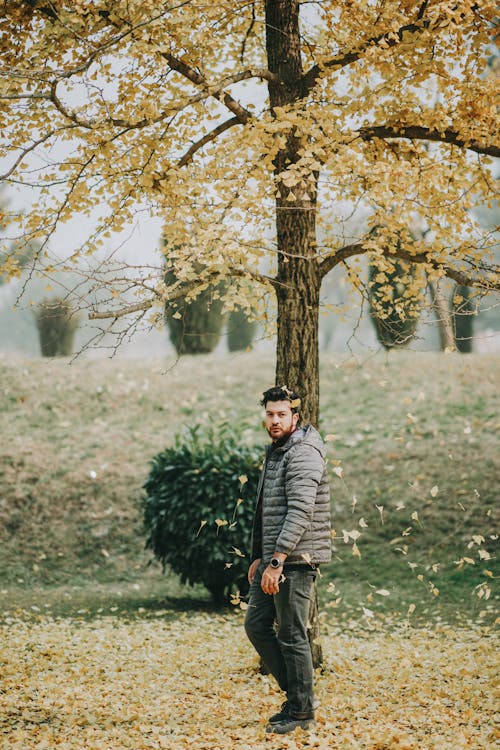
(157, 597)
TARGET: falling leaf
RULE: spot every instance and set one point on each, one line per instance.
(434, 490)
(202, 524)
(243, 479)
(380, 509)
(383, 592)
(338, 470)
(220, 522)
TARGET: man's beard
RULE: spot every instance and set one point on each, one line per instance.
(284, 437)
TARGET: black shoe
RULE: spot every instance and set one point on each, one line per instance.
(282, 714)
(289, 724)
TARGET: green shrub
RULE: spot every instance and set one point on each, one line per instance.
(198, 513)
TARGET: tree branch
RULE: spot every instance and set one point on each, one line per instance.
(25, 151)
(416, 132)
(207, 138)
(174, 63)
(122, 312)
(328, 263)
(461, 277)
(179, 293)
(192, 75)
(215, 90)
(389, 39)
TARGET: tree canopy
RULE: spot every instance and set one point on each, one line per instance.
(256, 131)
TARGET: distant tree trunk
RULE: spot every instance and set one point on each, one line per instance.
(443, 317)
(298, 278)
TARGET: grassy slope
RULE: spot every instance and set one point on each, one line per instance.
(76, 439)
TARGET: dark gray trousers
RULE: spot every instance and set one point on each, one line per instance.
(285, 651)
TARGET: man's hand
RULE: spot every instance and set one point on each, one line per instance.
(270, 580)
(253, 569)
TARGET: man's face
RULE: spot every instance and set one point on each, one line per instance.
(280, 421)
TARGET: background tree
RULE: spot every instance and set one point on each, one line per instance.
(384, 105)
(394, 309)
(14, 257)
(463, 318)
(56, 323)
(240, 330)
(195, 326)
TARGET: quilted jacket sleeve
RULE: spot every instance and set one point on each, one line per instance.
(303, 474)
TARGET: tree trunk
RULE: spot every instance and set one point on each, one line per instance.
(443, 317)
(297, 362)
(298, 277)
(299, 281)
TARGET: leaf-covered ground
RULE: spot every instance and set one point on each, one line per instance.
(192, 682)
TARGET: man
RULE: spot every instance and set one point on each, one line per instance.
(290, 538)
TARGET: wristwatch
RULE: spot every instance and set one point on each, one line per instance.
(276, 562)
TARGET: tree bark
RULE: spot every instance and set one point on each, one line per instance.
(298, 277)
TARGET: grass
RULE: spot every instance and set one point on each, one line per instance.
(413, 449)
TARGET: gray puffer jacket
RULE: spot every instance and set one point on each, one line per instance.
(293, 501)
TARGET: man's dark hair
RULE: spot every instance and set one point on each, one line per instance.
(281, 393)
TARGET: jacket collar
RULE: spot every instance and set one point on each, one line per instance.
(283, 445)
